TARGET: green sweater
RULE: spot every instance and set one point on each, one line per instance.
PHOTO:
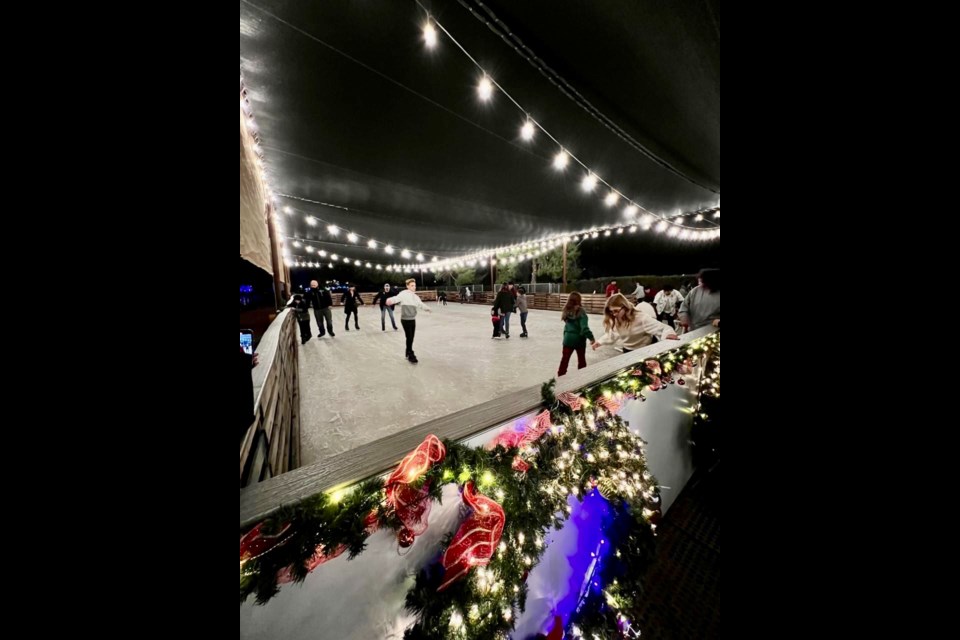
(576, 332)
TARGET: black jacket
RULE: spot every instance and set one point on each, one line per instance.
(382, 297)
(504, 302)
(350, 301)
(319, 298)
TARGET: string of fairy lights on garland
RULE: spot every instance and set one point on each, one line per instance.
(516, 492)
(487, 88)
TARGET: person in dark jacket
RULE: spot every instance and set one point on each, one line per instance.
(504, 303)
(576, 332)
(350, 301)
(381, 299)
(301, 307)
(321, 301)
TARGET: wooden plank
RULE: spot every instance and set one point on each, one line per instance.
(275, 440)
(246, 446)
(269, 411)
(295, 429)
(283, 442)
(374, 458)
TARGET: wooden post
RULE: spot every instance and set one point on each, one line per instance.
(274, 259)
(564, 265)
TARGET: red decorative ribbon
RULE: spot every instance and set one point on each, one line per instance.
(611, 404)
(319, 556)
(572, 400)
(411, 504)
(522, 439)
(255, 543)
(476, 539)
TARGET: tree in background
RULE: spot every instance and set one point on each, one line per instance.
(465, 276)
(550, 264)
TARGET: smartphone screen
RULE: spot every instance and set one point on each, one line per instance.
(246, 341)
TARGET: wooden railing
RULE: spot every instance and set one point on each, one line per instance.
(379, 456)
(592, 302)
(271, 445)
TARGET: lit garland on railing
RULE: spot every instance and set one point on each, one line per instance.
(585, 448)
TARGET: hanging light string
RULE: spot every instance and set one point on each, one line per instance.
(506, 34)
(526, 250)
(485, 90)
(253, 134)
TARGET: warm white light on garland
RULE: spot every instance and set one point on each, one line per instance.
(611, 199)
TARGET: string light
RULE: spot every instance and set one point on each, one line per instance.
(527, 131)
(372, 244)
(589, 183)
(332, 229)
(429, 35)
(485, 88)
(352, 237)
(311, 221)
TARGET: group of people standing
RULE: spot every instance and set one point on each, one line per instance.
(321, 300)
(510, 299)
(636, 326)
(632, 325)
